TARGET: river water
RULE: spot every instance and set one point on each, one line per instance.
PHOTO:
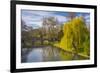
(47, 53)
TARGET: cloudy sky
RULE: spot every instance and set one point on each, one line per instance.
(34, 18)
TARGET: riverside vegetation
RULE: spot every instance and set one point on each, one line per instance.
(73, 36)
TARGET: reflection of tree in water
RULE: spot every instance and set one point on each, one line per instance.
(50, 54)
(47, 53)
(24, 54)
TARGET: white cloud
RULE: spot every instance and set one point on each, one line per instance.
(50, 14)
(33, 18)
(39, 24)
(61, 18)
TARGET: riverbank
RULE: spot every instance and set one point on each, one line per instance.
(71, 51)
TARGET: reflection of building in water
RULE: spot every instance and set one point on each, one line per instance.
(51, 55)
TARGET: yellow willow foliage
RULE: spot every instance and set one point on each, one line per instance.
(75, 32)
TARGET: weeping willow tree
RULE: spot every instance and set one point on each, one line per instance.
(76, 37)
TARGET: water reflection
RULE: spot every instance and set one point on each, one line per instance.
(47, 53)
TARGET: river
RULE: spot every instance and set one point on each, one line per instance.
(47, 53)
